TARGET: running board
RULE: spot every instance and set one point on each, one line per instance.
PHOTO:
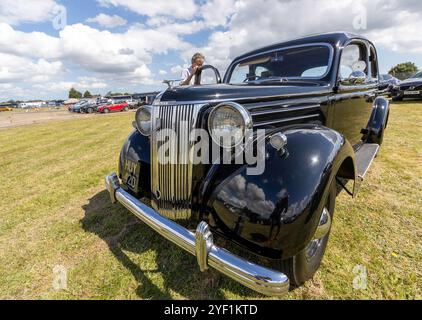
(364, 157)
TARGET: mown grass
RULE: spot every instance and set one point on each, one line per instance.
(54, 211)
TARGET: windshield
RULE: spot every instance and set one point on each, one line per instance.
(304, 62)
(418, 75)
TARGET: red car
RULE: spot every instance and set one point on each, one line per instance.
(111, 107)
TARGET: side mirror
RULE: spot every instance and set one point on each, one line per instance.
(206, 67)
(355, 78)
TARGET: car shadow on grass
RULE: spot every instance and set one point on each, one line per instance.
(168, 272)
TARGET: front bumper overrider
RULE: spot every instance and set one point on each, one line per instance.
(200, 244)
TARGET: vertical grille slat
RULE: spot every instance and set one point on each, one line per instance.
(171, 184)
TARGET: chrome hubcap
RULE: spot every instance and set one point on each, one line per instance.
(322, 230)
(324, 225)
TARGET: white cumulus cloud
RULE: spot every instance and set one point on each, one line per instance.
(17, 11)
(108, 21)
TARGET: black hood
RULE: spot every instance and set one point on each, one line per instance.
(225, 92)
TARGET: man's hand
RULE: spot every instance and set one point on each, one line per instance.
(194, 70)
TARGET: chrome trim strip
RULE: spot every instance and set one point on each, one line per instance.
(285, 120)
(290, 95)
(324, 225)
(282, 109)
(251, 275)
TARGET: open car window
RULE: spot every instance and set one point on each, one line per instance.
(303, 62)
(353, 59)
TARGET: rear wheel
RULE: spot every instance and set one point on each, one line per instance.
(303, 266)
(126, 108)
(106, 110)
(90, 110)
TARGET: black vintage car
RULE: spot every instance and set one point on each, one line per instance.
(317, 124)
(409, 88)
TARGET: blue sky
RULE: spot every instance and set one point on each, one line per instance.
(126, 45)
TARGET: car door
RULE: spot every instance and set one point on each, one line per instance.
(353, 101)
(113, 106)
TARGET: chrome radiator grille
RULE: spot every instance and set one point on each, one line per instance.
(171, 183)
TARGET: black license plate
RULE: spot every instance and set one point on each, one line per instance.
(131, 174)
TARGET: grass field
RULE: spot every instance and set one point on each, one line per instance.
(54, 211)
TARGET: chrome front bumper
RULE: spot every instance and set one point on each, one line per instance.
(200, 244)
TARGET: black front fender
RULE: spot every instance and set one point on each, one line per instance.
(276, 214)
(137, 149)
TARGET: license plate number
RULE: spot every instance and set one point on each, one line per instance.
(131, 174)
(412, 92)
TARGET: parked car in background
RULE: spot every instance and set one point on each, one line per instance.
(32, 104)
(144, 98)
(409, 88)
(134, 104)
(316, 100)
(89, 107)
(77, 106)
(387, 84)
(120, 99)
(102, 100)
(5, 108)
(55, 103)
(113, 107)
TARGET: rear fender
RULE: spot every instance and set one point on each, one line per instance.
(378, 121)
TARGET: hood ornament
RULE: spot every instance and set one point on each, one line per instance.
(170, 83)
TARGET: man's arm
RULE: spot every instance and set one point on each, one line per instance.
(186, 77)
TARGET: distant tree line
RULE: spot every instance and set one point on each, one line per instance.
(403, 70)
(75, 94)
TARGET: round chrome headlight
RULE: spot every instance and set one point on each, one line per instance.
(228, 123)
(143, 120)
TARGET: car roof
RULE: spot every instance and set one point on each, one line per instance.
(333, 38)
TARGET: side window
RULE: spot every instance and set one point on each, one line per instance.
(353, 59)
(374, 64)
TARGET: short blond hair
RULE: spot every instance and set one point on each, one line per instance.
(196, 56)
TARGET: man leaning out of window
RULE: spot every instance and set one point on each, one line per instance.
(189, 74)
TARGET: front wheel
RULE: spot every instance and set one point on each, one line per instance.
(106, 110)
(303, 266)
(125, 108)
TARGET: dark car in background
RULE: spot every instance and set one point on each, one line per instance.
(316, 103)
(387, 84)
(409, 88)
(89, 107)
(77, 106)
